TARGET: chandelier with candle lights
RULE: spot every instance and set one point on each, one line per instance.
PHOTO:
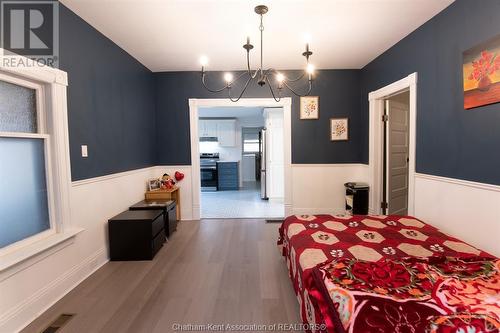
(262, 76)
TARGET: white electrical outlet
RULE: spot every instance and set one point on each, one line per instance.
(85, 151)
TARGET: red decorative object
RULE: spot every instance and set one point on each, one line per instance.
(179, 176)
(167, 182)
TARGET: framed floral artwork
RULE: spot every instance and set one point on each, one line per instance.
(339, 129)
(481, 74)
(309, 107)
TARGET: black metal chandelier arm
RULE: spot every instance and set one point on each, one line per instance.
(297, 94)
(209, 89)
(248, 67)
(242, 91)
(272, 91)
(274, 71)
(203, 75)
(300, 77)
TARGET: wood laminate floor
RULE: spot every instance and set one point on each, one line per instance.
(210, 272)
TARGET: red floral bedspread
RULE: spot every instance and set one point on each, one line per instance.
(308, 241)
(409, 295)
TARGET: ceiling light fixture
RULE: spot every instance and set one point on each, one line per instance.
(261, 74)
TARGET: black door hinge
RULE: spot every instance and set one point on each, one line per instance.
(385, 118)
(383, 205)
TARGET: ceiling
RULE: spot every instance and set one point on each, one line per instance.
(171, 35)
(231, 112)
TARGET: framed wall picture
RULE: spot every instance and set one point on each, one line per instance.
(481, 74)
(339, 129)
(309, 107)
(154, 184)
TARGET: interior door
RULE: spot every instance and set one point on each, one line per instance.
(397, 150)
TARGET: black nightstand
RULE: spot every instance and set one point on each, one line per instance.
(169, 210)
(136, 235)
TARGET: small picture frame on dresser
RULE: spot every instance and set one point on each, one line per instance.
(154, 185)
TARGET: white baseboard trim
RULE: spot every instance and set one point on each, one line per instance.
(24, 313)
(468, 183)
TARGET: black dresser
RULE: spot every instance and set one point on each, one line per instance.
(168, 208)
(136, 234)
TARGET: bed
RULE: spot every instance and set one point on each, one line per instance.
(388, 274)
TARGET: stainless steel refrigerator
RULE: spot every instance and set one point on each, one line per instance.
(263, 164)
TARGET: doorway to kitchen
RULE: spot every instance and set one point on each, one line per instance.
(241, 162)
(243, 155)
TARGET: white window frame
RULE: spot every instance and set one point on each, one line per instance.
(43, 135)
(52, 126)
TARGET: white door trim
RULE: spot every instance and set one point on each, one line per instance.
(376, 110)
(195, 104)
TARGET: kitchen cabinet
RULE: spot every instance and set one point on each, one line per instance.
(228, 176)
(222, 129)
(226, 132)
(207, 128)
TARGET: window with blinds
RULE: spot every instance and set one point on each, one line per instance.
(250, 142)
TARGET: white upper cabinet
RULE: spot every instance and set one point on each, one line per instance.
(207, 128)
(211, 128)
(223, 129)
(226, 132)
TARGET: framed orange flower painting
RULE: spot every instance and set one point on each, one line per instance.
(481, 74)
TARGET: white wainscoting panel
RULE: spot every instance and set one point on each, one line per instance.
(29, 292)
(466, 210)
(319, 188)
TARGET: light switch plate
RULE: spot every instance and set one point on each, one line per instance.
(85, 152)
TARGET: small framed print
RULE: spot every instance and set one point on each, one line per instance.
(154, 185)
(339, 129)
(309, 107)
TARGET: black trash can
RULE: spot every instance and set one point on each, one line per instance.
(356, 198)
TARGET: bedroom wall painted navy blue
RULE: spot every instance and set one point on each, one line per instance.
(339, 96)
(128, 115)
(451, 142)
(111, 102)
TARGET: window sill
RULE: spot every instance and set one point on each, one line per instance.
(22, 258)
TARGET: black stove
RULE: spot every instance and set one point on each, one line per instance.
(208, 170)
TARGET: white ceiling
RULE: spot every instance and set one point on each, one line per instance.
(170, 35)
(231, 112)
